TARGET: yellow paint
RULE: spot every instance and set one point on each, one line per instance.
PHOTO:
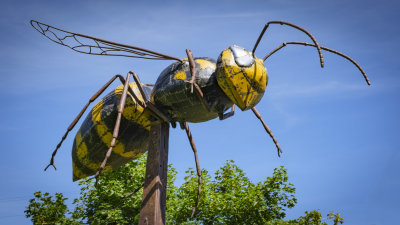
(204, 64)
(145, 120)
(135, 113)
(82, 154)
(106, 135)
(77, 174)
(132, 110)
(180, 75)
(118, 91)
(245, 86)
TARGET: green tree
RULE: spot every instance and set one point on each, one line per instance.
(227, 198)
(231, 198)
(44, 210)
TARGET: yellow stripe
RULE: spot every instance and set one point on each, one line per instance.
(105, 135)
(205, 63)
(82, 154)
(133, 111)
(77, 173)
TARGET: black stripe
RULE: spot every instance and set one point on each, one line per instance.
(78, 164)
(131, 135)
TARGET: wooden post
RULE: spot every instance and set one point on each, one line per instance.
(152, 211)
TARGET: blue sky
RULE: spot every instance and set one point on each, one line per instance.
(340, 137)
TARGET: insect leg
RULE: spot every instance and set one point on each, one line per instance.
(190, 137)
(116, 127)
(72, 125)
(323, 48)
(294, 26)
(268, 130)
(147, 103)
(133, 192)
(192, 81)
(227, 115)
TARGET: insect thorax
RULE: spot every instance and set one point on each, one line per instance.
(172, 92)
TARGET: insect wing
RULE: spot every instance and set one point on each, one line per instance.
(96, 46)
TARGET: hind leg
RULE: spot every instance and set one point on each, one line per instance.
(77, 118)
(185, 126)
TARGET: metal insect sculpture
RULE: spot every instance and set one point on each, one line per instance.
(116, 130)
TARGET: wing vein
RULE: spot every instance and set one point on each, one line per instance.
(81, 43)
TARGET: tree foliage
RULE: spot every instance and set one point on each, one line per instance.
(227, 198)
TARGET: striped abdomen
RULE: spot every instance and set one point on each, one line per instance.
(94, 137)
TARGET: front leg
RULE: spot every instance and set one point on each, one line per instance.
(185, 126)
(268, 130)
(193, 83)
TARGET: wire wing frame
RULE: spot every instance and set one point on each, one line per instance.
(96, 46)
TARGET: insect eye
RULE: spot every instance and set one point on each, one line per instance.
(242, 57)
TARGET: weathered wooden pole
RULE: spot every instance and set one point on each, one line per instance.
(152, 211)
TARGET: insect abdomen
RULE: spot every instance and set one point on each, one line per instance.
(94, 137)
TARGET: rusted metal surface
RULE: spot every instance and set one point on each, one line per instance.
(116, 127)
(198, 170)
(96, 46)
(279, 150)
(133, 192)
(77, 118)
(137, 80)
(192, 81)
(323, 48)
(192, 66)
(152, 211)
(157, 112)
(321, 59)
(93, 138)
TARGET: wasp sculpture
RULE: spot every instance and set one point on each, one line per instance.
(116, 130)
